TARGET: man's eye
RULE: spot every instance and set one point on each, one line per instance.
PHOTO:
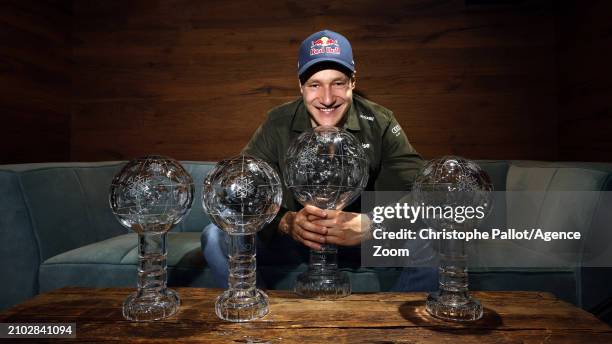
(340, 83)
(313, 85)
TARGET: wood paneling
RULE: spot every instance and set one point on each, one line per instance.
(97, 80)
(585, 81)
(35, 87)
(193, 79)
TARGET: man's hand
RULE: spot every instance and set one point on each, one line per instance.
(343, 228)
(300, 228)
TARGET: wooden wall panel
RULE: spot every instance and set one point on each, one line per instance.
(193, 79)
(35, 83)
(585, 81)
(97, 80)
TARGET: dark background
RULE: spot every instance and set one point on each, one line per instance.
(103, 80)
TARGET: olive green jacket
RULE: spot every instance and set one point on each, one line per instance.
(393, 162)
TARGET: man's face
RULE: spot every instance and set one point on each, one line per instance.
(327, 95)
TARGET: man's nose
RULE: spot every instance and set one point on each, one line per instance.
(328, 98)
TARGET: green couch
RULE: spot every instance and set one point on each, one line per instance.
(57, 230)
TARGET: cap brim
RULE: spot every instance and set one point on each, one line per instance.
(311, 63)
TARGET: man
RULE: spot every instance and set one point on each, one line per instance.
(326, 73)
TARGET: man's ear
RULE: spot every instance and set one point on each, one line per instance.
(353, 80)
(300, 86)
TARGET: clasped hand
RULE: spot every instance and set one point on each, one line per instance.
(313, 227)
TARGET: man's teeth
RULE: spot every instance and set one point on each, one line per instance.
(327, 110)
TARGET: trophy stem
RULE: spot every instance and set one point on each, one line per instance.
(323, 280)
(242, 265)
(324, 260)
(242, 301)
(453, 301)
(153, 300)
(152, 268)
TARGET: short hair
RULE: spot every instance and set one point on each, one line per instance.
(322, 66)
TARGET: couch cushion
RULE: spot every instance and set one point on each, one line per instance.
(113, 262)
(554, 197)
(558, 196)
(553, 176)
(61, 215)
(95, 184)
(70, 200)
(197, 218)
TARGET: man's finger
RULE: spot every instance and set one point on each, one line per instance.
(312, 237)
(312, 218)
(304, 233)
(312, 210)
(325, 222)
(298, 236)
(334, 232)
(311, 244)
(311, 227)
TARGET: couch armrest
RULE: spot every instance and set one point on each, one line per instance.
(19, 252)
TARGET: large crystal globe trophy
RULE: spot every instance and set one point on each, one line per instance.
(325, 167)
(241, 195)
(150, 195)
(453, 182)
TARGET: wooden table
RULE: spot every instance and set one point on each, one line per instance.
(510, 317)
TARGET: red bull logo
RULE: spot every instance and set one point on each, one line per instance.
(324, 45)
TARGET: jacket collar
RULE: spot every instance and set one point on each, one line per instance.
(301, 118)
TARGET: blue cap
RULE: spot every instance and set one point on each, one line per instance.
(325, 46)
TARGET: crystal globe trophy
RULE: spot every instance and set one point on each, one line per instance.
(150, 195)
(241, 195)
(325, 167)
(451, 182)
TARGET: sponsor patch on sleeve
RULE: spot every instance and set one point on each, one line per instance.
(396, 130)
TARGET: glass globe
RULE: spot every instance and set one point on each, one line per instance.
(241, 195)
(325, 167)
(453, 182)
(150, 195)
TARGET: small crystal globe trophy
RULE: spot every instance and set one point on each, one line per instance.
(150, 195)
(241, 195)
(451, 182)
(325, 167)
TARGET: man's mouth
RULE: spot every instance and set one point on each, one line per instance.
(328, 109)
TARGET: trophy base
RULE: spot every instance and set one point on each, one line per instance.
(453, 307)
(323, 286)
(151, 306)
(240, 306)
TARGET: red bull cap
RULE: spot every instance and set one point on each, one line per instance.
(325, 46)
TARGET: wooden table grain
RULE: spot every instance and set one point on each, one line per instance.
(510, 317)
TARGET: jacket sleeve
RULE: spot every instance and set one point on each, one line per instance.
(400, 162)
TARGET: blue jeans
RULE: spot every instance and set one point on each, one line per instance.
(283, 250)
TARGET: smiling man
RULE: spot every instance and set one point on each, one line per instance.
(327, 95)
(326, 73)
